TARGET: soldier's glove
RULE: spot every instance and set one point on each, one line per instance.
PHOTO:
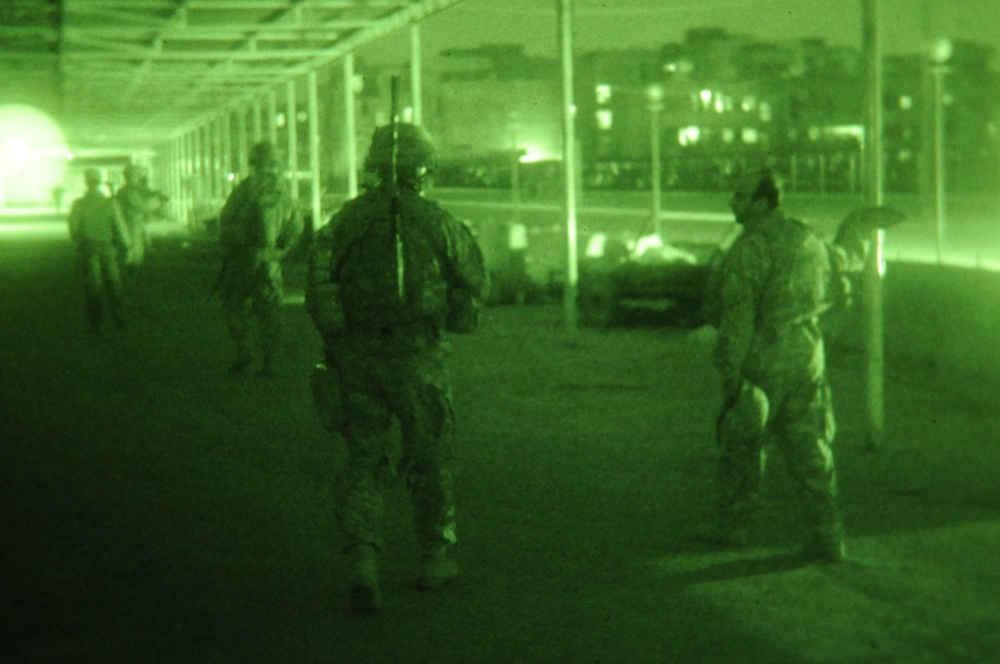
(270, 255)
(463, 311)
(323, 305)
(325, 384)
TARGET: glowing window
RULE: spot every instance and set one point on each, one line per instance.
(605, 119)
(603, 93)
(688, 135)
(750, 135)
(906, 102)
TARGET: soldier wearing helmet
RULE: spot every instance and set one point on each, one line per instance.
(384, 289)
(263, 157)
(258, 225)
(770, 291)
(415, 155)
(137, 202)
(97, 227)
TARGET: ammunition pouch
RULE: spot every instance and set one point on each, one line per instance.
(322, 302)
(463, 311)
(325, 384)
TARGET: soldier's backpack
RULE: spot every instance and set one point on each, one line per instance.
(368, 277)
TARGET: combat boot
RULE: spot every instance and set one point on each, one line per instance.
(824, 547)
(436, 569)
(240, 365)
(266, 371)
(363, 592)
(724, 535)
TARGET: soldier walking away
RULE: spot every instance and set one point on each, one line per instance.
(770, 291)
(393, 272)
(58, 192)
(98, 229)
(257, 227)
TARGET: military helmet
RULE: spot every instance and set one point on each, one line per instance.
(92, 177)
(414, 148)
(264, 156)
(133, 171)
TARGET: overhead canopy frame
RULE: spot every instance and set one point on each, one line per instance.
(135, 73)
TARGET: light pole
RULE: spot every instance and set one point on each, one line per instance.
(654, 97)
(940, 53)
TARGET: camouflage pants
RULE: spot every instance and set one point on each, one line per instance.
(136, 254)
(252, 294)
(102, 281)
(799, 421)
(414, 387)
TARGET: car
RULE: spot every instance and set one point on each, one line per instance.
(619, 283)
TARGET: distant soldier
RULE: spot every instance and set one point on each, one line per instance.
(97, 227)
(772, 288)
(397, 272)
(58, 192)
(257, 227)
(137, 202)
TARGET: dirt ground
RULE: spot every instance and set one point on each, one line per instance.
(156, 510)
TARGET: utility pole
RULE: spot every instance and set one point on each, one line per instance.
(874, 269)
(654, 97)
(565, 8)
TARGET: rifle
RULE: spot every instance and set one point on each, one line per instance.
(394, 184)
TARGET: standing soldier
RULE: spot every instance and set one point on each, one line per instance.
(97, 227)
(137, 201)
(773, 286)
(401, 272)
(257, 227)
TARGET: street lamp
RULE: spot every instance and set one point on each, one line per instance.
(940, 53)
(654, 97)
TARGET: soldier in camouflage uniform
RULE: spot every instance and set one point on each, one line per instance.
(136, 201)
(385, 348)
(772, 288)
(97, 227)
(257, 227)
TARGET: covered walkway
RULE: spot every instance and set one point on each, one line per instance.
(157, 510)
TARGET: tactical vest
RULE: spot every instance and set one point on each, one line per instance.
(369, 278)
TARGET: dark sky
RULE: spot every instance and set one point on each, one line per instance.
(906, 25)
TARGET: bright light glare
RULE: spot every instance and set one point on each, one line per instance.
(688, 135)
(33, 156)
(17, 152)
(533, 153)
(595, 245)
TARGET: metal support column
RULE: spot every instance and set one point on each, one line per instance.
(215, 164)
(243, 151)
(272, 117)
(291, 124)
(416, 73)
(198, 179)
(227, 154)
(565, 8)
(258, 129)
(314, 170)
(874, 188)
(350, 127)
